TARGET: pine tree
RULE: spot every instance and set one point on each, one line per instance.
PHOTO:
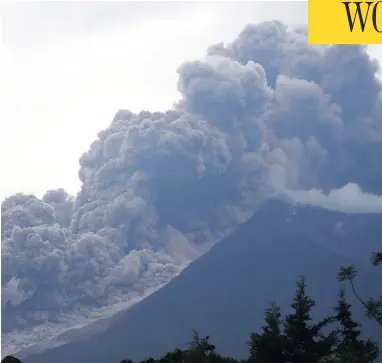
(176, 356)
(350, 348)
(200, 350)
(267, 347)
(149, 360)
(11, 359)
(373, 306)
(304, 341)
(376, 258)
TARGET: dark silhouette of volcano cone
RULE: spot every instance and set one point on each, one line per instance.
(224, 292)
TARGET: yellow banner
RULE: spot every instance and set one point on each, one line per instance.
(344, 22)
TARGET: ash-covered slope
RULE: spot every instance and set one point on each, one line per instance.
(224, 292)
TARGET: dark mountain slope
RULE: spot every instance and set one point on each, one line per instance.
(224, 292)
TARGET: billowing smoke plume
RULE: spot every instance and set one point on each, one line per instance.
(264, 114)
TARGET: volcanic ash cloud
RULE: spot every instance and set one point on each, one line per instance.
(265, 114)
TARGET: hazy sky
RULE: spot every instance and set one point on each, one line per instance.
(67, 67)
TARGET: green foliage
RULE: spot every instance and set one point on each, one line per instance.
(305, 341)
(10, 359)
(199, 350)
(376, 258)
(294, 338)
(268, 346)
(329, 359)
(373, 307)
(350, 347)
(347, 273)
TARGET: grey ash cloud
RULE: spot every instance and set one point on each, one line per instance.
(265, 114)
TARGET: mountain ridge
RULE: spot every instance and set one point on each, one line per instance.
(243, 284)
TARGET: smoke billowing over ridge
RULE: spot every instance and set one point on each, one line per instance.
(264, 114)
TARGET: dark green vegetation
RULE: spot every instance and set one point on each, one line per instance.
(373, 306)
(294, 338)
(11, 359)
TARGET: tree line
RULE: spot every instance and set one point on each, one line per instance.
(295, 338)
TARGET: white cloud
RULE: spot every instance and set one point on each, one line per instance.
(349, 199)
